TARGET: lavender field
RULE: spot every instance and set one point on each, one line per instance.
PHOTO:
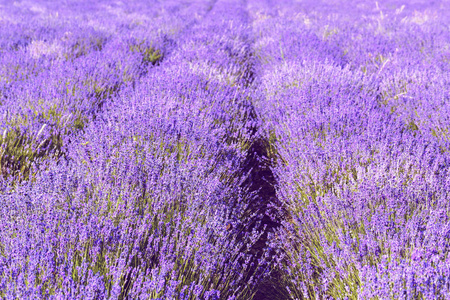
(225, 149)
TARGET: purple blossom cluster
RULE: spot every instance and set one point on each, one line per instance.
(224, 149)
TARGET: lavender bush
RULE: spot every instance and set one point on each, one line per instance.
(224, 149)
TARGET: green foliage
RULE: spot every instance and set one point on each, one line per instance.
(20, 150)
(150, 55)
(83, 46)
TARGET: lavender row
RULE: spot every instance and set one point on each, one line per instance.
(147, 201)
(357, 108)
